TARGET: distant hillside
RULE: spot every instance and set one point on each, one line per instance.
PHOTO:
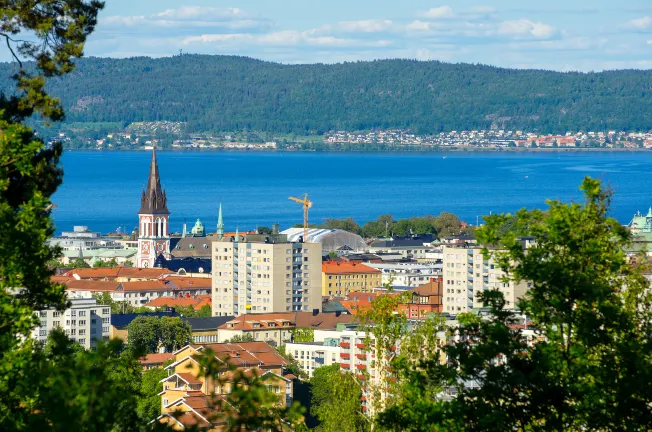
(226, 93)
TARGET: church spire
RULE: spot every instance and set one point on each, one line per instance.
(220, 223)
(153, 200)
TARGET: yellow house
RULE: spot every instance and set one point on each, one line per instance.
(187, 397)
(341, 278)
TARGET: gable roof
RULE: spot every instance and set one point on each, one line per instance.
(208, 323)
(245, 354)
(320, 321)
(347, 267)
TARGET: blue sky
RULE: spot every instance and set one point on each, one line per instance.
(552, 34)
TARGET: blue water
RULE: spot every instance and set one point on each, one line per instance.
(102, 189)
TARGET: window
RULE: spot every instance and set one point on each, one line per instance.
(165, 401)
(56, 314)
(82, 332)
(42, 332)
(82, 322)
(82, 341)
(82, 313)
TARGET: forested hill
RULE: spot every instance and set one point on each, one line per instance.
(226, 93)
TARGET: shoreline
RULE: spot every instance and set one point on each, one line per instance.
(404, 149)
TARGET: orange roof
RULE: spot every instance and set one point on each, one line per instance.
(347, 267)
(115, 272)
(358, 300)
(154, 285)
(246, 354)
(91, 285)
(188, 377)
(196, 302)
(156, 358)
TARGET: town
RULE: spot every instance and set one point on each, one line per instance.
(171, 135)
(289, 301)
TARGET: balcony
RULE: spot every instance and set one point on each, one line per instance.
(345, 356)
(361, 366)
(361, 356)
(319, 360)
(345, 345)
(345, 365)
(360, 345)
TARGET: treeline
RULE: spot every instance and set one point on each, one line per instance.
(446, 224)
(228, 93)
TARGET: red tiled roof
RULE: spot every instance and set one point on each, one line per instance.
(190, 283)
(345, 267)
(148, 285)
(247, 354)
(156, 358)
(196, 302)
(91, 285)
(115, 272)
(188, 377)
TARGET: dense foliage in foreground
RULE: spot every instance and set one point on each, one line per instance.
(227, 93)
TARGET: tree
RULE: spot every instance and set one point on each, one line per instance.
(111, 263)
(52, 34)
(117, 307)
(447, 224)
(149, 402)
(347, 224)
(336, 401)
(244, 337)
(79, 263)
(589, 363)
(264, 230)
(294, 367)
(146, 334)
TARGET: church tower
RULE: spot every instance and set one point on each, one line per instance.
(153, 233)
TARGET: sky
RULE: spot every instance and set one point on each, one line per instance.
(560, 35)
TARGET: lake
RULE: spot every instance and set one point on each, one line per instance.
(102, 189)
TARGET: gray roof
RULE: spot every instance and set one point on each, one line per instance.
(153, 200)
(209, 323)
(191, 247)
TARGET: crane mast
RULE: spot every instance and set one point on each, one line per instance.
(306, 203)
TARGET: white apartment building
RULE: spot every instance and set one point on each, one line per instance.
(313, 355)
(265, 274)
(407, 275)
(85, 322)
(467, 272)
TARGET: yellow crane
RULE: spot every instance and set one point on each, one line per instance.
(306, 205)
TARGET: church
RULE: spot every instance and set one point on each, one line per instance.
(154, 220)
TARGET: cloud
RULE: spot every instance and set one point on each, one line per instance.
(438, 12)
(286, 38)
(187, 18)
(643, 23)
(525, 28)
(361, 26)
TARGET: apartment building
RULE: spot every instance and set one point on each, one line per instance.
(468, 272)
(407, 274)
(340, 278)
(313, 355)
(265, 273)
(84, 322)
(187, 399)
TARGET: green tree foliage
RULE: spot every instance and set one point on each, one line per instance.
(303, 335)
(294, 367)
(447, 224)
(347, 224)
(79, 263)
(591, 313)
(52, 34)
(146, 334)
(244, 337)
(264, 230)
(190, 312)
(149, 401)
(117, 307)
(423, 96)
(336, 401)
(111, 263)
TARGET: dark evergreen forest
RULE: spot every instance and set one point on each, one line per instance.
(227, 93)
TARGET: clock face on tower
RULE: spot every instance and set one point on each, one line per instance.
(160, 246)
(145, 248)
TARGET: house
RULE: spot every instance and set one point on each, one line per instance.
(205, 329)
(424, 300)
(196, 302)
(187, 399)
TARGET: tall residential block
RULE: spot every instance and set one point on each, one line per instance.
(265, 273)
(467, 272)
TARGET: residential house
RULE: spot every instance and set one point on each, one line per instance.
(339, 278)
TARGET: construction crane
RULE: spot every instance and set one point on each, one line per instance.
(306, 205)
